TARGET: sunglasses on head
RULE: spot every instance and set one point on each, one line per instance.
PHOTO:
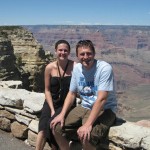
(84, 42)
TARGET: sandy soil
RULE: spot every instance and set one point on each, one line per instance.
(8, 142)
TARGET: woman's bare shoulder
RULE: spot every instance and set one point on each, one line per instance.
(51, 65)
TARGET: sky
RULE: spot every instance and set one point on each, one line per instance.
(74, 12)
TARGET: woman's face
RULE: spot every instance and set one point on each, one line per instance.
(62, 51)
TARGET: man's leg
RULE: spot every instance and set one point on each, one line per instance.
(69, 132)
(61, 140)
(101, 127)
(75, 145)
(88, 146)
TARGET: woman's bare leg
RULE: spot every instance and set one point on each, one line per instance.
(41, 140)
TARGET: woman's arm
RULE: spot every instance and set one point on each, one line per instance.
(48, 96)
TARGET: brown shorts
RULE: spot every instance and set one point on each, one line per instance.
(78, 116)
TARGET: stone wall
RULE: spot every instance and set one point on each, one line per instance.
(20, 111)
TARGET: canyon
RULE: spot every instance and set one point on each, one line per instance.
(25, 51)
(126, 48)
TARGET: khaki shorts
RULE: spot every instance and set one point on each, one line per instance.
(78, 116)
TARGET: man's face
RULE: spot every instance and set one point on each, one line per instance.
(86, 57)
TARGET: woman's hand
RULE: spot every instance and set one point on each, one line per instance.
(52, 113)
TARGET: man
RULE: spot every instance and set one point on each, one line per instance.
(89, 122)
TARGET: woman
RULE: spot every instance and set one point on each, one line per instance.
(57, 81)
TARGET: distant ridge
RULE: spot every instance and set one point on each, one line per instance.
(126, 47)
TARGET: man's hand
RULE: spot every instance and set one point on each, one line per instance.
(56, 120)
(84, 133)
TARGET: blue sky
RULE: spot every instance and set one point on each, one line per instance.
(75, 12)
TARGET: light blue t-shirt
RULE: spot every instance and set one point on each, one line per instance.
(88, 82)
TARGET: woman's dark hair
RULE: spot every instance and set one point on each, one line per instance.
(85, 43)
(62, 42)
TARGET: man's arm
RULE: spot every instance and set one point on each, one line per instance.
(97, 107)
(85, 130)
(67, 105)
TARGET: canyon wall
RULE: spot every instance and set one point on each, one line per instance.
(22, 57)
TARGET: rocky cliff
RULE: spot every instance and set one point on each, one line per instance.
(8, 69)
(22, 57)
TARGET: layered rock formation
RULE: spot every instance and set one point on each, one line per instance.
(20, 111)
(8, 69)
(22, 57)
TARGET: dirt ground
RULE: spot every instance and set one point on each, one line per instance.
(8, 142)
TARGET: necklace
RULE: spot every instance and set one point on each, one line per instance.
(61, 77)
